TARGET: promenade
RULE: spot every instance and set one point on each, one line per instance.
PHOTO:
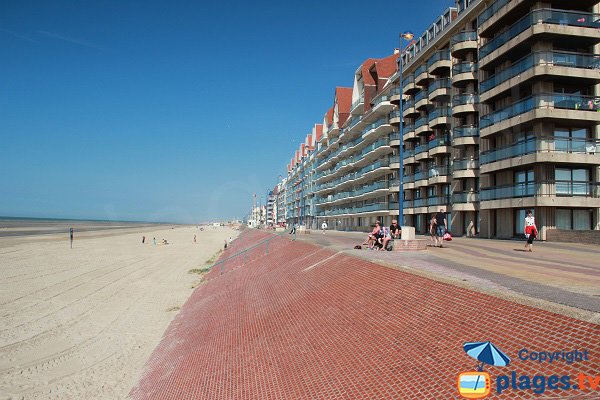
(311, 319)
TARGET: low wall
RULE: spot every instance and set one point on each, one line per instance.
(569, 236)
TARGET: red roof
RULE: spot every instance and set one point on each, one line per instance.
(344, 101)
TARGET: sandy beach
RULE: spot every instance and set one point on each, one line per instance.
(80, 323)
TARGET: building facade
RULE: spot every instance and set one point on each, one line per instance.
(497, 111)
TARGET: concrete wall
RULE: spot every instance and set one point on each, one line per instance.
(559, 235)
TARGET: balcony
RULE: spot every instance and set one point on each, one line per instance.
(574, 65)
(439, 145)
(408, 84)
(439, 174)
(421, 99)
(465, 135)
(357, 107)
(421, 75)
(462, 43)
(409, 156)
(378, 127)
(421, 125)
(490, 11)
(394, 117)
(408, 108)
(439, 88)
(464, 103)
(543, 21)
(539, 150)
(463, 73)
(359, 209)
(408, 132)
(465, 168)
(435, 203)
(395, 95)
(465, 201)
(555, 105)
(439, 116)
(542, 194)
(438, 61)
(382, 105)
(421, 152)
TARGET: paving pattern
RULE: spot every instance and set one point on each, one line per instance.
(308, 322)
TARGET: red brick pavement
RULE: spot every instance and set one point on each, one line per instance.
(304, 322)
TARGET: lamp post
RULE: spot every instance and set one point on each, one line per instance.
(408, 36)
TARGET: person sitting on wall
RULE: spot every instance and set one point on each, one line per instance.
(395, 230)
(374, 235)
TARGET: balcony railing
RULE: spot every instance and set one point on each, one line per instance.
(464, 99)
(358, 101)
(394, 114)
(439, 141)
(408, 80)
(491, 10)
(409, 153)
(465, 197)
(439, 112)
(380, 100)
(465, 164)
(442, 55)
(543, 145)
(438, 201)
(552, 101)
(420, 95)
(421, 148)
(541, 189)
(554, 58)
(464, 67)
(408, 104)
(434, 172)
(466, 36)
(541, 16)
(419, 175)
(422, 68)
(358, 209)
(408, 128)
(420, 122)
(466, 131)
(439, 84)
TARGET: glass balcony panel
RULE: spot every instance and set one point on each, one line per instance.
(463, 37)
(464, 67)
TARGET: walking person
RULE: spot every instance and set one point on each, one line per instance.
(441, 223)
(194, 239)
(71, 236)
(432, 229)
(531, 230)
(324, 226)
(143, 239)
(154, 241)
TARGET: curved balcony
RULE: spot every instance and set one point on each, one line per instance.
(421, 125)
(408, 108)
(465, 201)
(394, 117)
(465, 168)
(438, 61)
(409, 156)
(438, 174)
(376, 128)
(357, 107)
(408, 84)
(421, 152)
(395, 95)
(421, 99)
(421, 75)
(462, 43)
(408, 132)
(465, 135)
(382, 106)
(439, 116)
(439, 88)
(421, 178)
(439, 145)
(463, 73)
(464, 103)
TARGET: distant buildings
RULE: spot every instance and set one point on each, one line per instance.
(500, 113)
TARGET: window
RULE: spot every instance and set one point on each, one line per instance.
(572, 182)
(573, 219)
(570, 139)
(524, 183)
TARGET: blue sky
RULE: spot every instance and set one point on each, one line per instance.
(172, 110)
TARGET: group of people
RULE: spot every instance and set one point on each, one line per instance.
(381, 236)
(437, 228)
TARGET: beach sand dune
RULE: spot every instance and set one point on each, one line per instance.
(80, 323)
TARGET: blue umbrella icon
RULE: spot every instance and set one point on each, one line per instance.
(486, 353)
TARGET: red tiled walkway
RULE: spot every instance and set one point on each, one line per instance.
(285, 326)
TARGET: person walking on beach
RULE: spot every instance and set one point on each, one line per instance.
(194, 239)
(71, 236)
(143, 239)
(225, 248)
(324, 226)
(531, 231)
(441, 223)
(154, 241)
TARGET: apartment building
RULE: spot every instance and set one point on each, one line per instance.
(497, 111)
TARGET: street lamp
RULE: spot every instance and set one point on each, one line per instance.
(408, 36)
